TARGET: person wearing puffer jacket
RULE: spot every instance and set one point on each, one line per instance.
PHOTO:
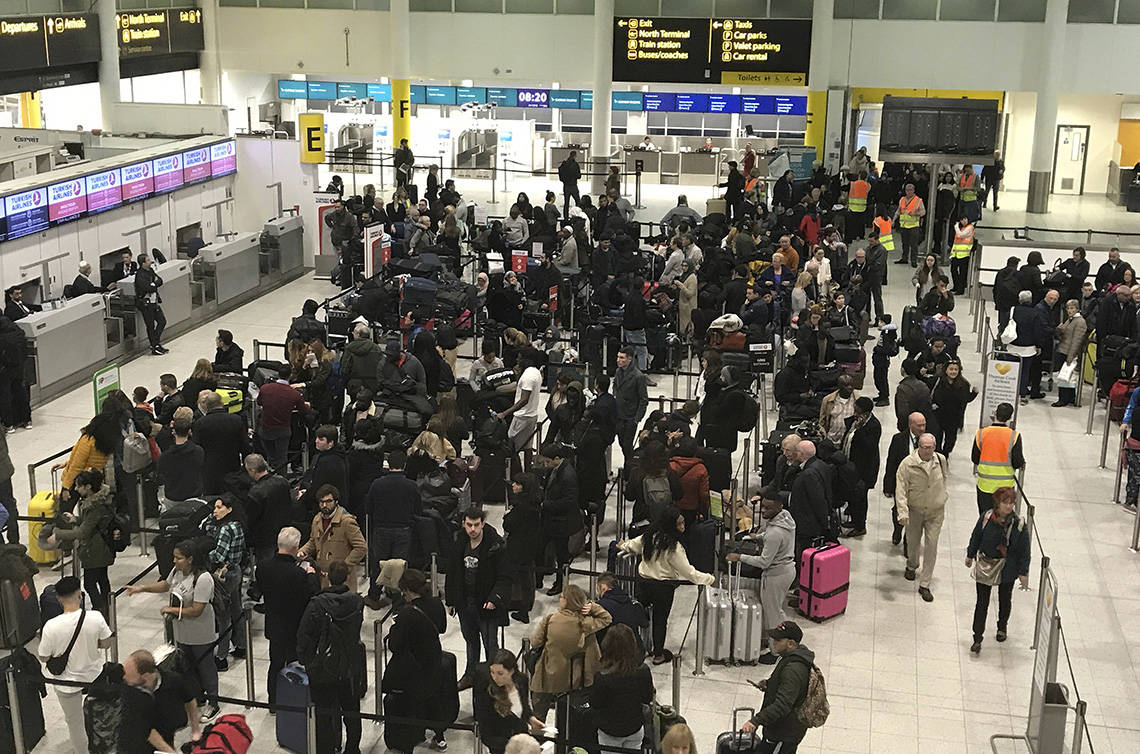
(96, 513)
(694, 476)
(777, 559)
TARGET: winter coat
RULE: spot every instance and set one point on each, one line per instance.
(562, 635)
(342, 605)
(920, 485)
(494, 729)
(365, 465)
(694, 478)
(340, 540)
(810, 501)
(359, 365)
(328, 467)
(1072, 332)
(951, 399)
(286, 589)
(84, 456)
(96, 512)
(673, 565)
(561, 509)
(523, 527)
(622, 609)
(988, 538)
(414, 642)
(912, 394)
(617, 700)
(492, 580)
(269, 508)
(224, 438)
(786, 690)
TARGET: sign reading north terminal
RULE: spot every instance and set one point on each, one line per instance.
(712, 51)
(159, 32)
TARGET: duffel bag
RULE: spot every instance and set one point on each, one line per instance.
(401, 419)
(419, 291)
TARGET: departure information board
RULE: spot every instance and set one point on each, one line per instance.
(36, 42)
(761, 52)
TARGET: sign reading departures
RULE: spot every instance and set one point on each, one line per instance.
(757, 52)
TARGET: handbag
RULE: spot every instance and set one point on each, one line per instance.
(534, 654)
(57, 664)
(1009, 334)
(988, 570)
(1067, 374)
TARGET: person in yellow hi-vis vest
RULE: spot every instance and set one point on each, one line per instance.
(909, 215)
(960, 254)
(968, 204)
(857, 193)
(997, 455)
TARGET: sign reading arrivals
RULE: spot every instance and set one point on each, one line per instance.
(760, 52)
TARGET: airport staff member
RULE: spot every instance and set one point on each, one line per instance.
(147, 283)
(909, 214)
(996, 455)
(82, 284)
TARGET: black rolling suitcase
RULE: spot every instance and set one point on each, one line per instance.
(718, 461)
(27, 669)
(733, 741)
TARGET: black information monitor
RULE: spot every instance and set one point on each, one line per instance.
(736, 51)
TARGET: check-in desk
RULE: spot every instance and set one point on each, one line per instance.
(282, 249)
(699, 168)
(67, 343)
(229, 269)
(175, 295)
(559, 154)
(650, 164)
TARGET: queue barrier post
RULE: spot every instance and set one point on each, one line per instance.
(1104, 435)
(1081, 376)
(763, 410)
(251, 691)
(1135, 546)
(689, 371)
(677, 681)
(434, 574)
(1119, 470)
(1093, 402)
(113, 624)
(476, 744)
(745, 472)
(14, 708)
(1041, 583)
(1080, 710)
(699, 660)
(593, 553)
(378, 675)
(143, 549)
(311, 726)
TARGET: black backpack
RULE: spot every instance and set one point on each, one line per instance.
(332, 661)
(117, 531)
(749, 413)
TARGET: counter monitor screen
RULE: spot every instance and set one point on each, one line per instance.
(3, 222)
(290, 89)
(790, 105)
(359, 91)
(380, 92)
(418, 94)
(724, 103)
(465, 94)
(138, 181)
(439, 95)
(67, 201)
(567, 99)
(322, 90)
(27, 213)
(533, 97)
(625, 101)
(659, 102)
(104, 191)
(692, 103)
(196, 165)
(223, 159)
(502, 97)
(167, 173)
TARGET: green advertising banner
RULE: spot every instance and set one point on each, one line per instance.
(104, 381)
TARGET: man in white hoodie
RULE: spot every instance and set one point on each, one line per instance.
(777, 559)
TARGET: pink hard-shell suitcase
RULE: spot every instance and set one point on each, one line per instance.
(825, 574)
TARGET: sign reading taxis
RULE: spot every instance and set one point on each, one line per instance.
(311, 130)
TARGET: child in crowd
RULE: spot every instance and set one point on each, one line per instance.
(885, 349)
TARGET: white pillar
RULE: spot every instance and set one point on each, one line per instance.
(819, 77)
(210, 61)
(1045, 119)
(108, 63)
(603, 89)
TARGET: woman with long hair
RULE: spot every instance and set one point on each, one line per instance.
(563, 636)
(430, 449)
(311, 377)
(501, 701)
(226, 529)
(711, 363)
(951, 393)
(663, 564)
(653, 486)
(191, 587)
(678, 740)
(202, 378)
(523, 526)
(686, 285)
(97, 444)
(998, 555)
(623, 684)
(800, 298)
(456, 427)
(926, 277)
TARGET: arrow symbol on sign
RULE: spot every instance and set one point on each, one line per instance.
(621, 22)
(716, 24)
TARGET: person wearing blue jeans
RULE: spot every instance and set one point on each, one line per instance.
(633, 323)
(478, 588)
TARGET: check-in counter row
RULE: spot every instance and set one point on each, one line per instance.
(73, 339)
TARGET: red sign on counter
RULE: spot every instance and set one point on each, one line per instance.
(553, 298)
(518, 261)
(67, 200)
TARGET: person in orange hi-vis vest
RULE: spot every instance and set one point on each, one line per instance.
(909, 216)
(857, 193)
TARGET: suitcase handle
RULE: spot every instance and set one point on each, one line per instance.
(751, 713)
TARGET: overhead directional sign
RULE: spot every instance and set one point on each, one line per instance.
(159, 31)
(712, 51)
(38, 42)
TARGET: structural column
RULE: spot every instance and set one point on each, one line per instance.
(108, 63)
(210, 61)
(399, 42)
(819, 77)
(1052, 60)
(603, 89)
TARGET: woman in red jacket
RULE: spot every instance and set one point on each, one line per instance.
(694, 478)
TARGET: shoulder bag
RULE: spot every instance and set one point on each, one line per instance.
(988, 570)
(57, 664)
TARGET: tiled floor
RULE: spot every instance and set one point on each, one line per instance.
(900, 676)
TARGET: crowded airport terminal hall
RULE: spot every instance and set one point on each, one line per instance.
(569, 376)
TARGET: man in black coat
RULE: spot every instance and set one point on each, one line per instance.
(149, 303)
(478, 588)
(733, 191)
(561, 510)
(792, 389)
(269, 506)
(15, 400)
(82, 284)
(1112, 271)
(902, 444)
(224, 438)
(1006, 289)
(286, 587)
(307, 327)
(569, 172)
(861, 444)
(15, 308)
(328, 467)
(811, 498)
(621, 607)
(734, 295)
(229, 356)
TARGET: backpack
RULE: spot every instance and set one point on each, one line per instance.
(136, 452)
(658, 495)
(814, 709)
(750, 412)
(117, 531)
(331, 662)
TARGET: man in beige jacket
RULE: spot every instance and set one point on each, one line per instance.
(335, 535)
(920, 494)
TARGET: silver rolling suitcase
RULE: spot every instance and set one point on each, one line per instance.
(716, 607)
(747, 621)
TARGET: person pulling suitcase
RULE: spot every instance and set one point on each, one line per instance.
(787, 697)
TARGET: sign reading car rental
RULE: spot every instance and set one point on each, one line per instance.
(757, 52)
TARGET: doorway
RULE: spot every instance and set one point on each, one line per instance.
(1069, 156)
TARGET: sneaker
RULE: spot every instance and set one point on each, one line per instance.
(976, 647)
(896, 535)
(1001, 635)
(768, 658)
(157, 352)
(1058, 404)
(926, 594)
(221, 664)
(238, 654)
(438, 743)
(26, 425)
(209, 711)
(853, 532)
(909, 574)
(521, 617)
(1025, 400)
(554, 591)
(162, 348)
(466, 682)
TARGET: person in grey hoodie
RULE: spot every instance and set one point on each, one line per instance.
(777, 559)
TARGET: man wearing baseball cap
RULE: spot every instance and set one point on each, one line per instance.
(784, 692)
